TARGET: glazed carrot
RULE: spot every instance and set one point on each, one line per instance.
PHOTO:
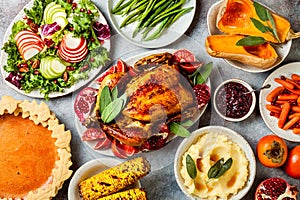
(296, 130)
(293, 82)
(282, 102)
(295, 109)
(294, 115)
(285, 97)
(298, 101)
(274, 93)
(283, 115)
(284, 83)
(294, 91)
(295, 77)
(290, 123)
(273, 108)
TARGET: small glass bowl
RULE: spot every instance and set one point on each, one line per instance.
(240, 117)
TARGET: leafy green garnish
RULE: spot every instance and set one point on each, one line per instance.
(35, 13)
(105, 98)
(250, 41)
(179, 130)
(191, 166)
(112, 110)
(201, 75)
(219, 168)
(260, 11)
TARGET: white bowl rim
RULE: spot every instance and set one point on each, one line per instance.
(232, 135)
(248, 86)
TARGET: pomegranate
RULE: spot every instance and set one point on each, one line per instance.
(183, 55)
(202, 93)
(122, 150)
(275, 189)
(84, 102)
(190, 67)
(93, 134)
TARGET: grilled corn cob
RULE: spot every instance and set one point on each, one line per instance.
(114, 179)
(132, 194)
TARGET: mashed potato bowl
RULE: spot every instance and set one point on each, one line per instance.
(206, 146)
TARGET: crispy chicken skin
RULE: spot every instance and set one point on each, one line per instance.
(156, 92)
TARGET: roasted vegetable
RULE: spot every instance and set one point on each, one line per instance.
(132, 194)
(224, 46)
(114, 179)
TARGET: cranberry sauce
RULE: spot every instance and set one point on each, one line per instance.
(231, 100)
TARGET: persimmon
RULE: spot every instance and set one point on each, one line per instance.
(293, 162)
(272, 151)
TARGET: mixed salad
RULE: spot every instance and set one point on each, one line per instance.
(55, 45)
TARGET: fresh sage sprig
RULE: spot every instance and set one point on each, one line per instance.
(191, 166)
(251, 41)
(201, 75)
(110, 104)
(265, 16)
(179, 130)
(219, 168)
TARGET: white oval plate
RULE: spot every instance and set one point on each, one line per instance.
(282, 50)
(285, 70)
(169, 36)
(235, 137)
(129, 61)
(88, 170)
(36, 93)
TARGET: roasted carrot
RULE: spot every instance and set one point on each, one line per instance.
(298, 101)
(284, 83)
(286, 97)
(280, 102)
(283, 115)
(293, 82)
(294, 115)
(295, 77)
(290, 123)
(296, 109)
(274, 93)
(296, 130)
(273, 108)
(294, 91)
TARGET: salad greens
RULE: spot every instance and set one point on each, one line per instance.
(82, 16)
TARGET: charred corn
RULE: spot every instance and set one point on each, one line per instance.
(132, 194)
(114, 179)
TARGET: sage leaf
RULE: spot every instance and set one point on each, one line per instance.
(250, 41)
(179, 130)
(214, 170)
(187, 123)
(112, 110)
(203, 74)
(261, 11)
(191, 167)
(114, 93)
(270, 17)
(105, 98)
(224, 168)
(219, 168)
(259, 25)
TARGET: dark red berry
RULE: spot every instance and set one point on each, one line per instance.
(89, 12)
(82, 10)
(202, 93)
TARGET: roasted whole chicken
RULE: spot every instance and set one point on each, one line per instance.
(157, 94)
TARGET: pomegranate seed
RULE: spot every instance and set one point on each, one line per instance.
(92, 40)
(74, 5)
(24, 65)
(71, 29)
(82, 10)
(70, 68)
(89, 12)
(55, 81)
(70, 1)
(36, 72)
(56, 47)
(84, 68)
(92, 59)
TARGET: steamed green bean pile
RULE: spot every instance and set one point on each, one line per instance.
(152, 17)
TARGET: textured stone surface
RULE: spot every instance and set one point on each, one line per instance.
(161, 184)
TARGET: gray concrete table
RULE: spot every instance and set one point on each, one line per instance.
(161, 184)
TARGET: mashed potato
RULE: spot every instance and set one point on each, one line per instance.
(207, 150)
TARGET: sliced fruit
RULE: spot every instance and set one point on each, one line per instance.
(73, 49)
(190, 67)
(275, 188)
(93, 134)
(184, 55)
(29, 44)
(84, 102)
(103, 143)
(122, 150)
(51, 67)
(55, 13)
(121, 66)
(110, 70)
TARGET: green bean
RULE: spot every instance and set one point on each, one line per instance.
(117, 5)
(127, 9)
(159, 31)
(141, 3)
(120, 8)
(181, 13)
(129, 17)
(157, 11)
(171, 8)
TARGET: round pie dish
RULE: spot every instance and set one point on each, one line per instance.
(35, 165)
(217, 142)
(233, 100)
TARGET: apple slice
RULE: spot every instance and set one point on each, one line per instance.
(73, 49)
(52, 67)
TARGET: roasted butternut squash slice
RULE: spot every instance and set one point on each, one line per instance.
(224, 46)
(234, 17)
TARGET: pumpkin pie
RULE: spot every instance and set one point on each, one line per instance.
(34, 152)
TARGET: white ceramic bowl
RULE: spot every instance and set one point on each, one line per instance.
(89, 169)
(232, 135)
(252, 105)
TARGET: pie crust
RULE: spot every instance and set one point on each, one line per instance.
(41, 115)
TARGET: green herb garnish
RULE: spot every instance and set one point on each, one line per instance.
(105, 98)
(191, 166)
(112, 110)
(201, 75)
(219, 168)
(251, 41)
(179, 130)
